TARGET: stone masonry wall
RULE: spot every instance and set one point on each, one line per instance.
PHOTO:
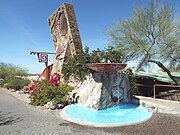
(104, 90)
(65, 35)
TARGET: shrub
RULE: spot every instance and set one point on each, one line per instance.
(109, 54)
(77, 66)
(55, 79)
(18, 83)
(43, 92)
(61, 93)
(9, 71)
(132, 81)
(6, 85)
(12, 74)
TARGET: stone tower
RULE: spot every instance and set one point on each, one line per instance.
(65, 35)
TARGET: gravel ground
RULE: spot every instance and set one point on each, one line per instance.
(19, 118)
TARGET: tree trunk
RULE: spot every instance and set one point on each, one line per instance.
(165, 69)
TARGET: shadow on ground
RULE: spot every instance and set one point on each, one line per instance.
(9, 118)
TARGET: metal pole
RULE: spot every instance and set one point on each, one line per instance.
(47, 71)
(161, 85)
(32, 52)
(168, 85)
(154, 90)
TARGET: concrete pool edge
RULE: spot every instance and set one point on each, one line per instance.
(66, 118)
(158, 105)
(151, 104)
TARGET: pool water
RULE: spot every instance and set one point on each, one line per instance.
(120, 115)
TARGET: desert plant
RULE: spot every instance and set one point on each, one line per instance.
(113, 55)
(132, 81)
(6, 85)
(13, 74)
(150, 35)
(96, 56)
(54, 80)
(18, 83)
(77, 65)
(43, 92)
(108, 55)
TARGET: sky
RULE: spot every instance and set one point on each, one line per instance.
(24, 26)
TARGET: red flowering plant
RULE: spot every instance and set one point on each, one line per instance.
(44, 92)
(55, 79)
(33, 89)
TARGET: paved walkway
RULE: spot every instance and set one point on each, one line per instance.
(22, 97)
(20, 118)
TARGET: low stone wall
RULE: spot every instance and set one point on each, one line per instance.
(158, 105)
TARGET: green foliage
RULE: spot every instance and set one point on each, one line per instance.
(174, 69)
(18, 83)
(113, 55)
(77, 66)
(150, 36)
(61, 93)
(109, 54)
(44, 92)
(132, 81)
(12, 75)
(96, 56)
(8, 71)
(6, 85)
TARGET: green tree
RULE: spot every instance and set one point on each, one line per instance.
(150, 35)
(9, 71)
(12, 75)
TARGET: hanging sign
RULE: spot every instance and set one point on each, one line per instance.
(42, 57)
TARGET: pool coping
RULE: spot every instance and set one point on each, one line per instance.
(66, 118)
(158, 105)
(151, 104)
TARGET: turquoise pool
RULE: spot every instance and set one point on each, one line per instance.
(116, 116)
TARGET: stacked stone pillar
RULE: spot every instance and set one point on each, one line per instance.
(65, 35)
